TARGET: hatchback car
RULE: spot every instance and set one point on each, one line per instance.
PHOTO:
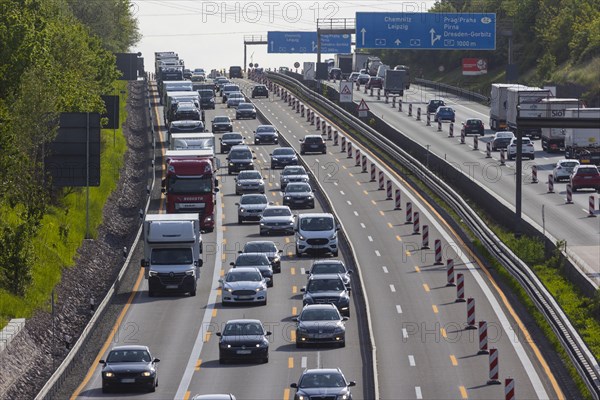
(362, 79)
(335, 73)
(240, 158)
(327, 289)
(266, 134)
(227, 89)
(251, 207)
(249, 182)
(283, 156)
(299, 194)
(563, 169)
(473, 126)
(320, 324)
(245, 110)
(433, 105)
(444, 114)
(277, 219)
(187, 111)
(260, 91)
(258, 260)
(221, 124)
(353, 76)
(243, 285)
(526, 151)
(243, 339)
(585, 177)
(234, 99)
(501, 140)
(207, 99)
(267, 248)
(374, 82)
(228, 140)
(321, 267)
(129, 366)
(314, 382)
(313, 144)
(292, 173)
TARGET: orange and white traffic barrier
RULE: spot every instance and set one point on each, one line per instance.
(428, 123)
(534, 178)
(318, 127)
(357, 158)
(437, 249)
(408, 212)
(399, 105)
(329, 130)
(335, 137)
(483, 339)
(410, 109)
(381, 182)
(550, 183)
(475, 142)
(494, 368)
(509, 389)
(439, 126)
(349, 152)
(301, 110)
(398, 197)
(471, 313)
(416, 223)
(418, 113)
(450, 272)
(502, 157)
(425, 238)
(488, 150)
(373, 172)
(364, 163)
(343, 149)
(388, 188)
(460, 288)
(569, 199)
(393, 102)
(451, 130)
(462, 137)
(592, 206)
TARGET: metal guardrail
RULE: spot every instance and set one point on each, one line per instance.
(442, 87)
(581, 356)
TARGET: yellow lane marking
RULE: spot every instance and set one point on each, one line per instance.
(407, 253)
(381, 213)
(463, 392)
(293, 271)
(291, 362)
(222, 272)
(187, 395)
(444, 334)
(365, 192)
(337, 160)
(398, 238)
(390, 225)
(219, 290)
(435, 309)
(426, 287)
(453, 360)
(198, 363)
(343, 166)
(207, 337)
(223, 257)
(224, 229)
(214, 313)
(287, 240)
(358, 183)
(417, 269)
(270, 184)
(277, 203)
(294, 310)
(294, 289)
(293, 336)
(286, 394)
(290, 254)
(373, 202)
(350, 173)
(224, 241)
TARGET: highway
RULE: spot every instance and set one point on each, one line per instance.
(422, 348)
(549, 211)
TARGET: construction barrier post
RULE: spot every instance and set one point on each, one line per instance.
(509, 389)
(381, 181)
(357, 158)
(398, 205)
(471, 313)
(437, 246)
(418, 113)
(410, 109)
(460, 288)
(349, 150)
(388, 185)
(428, 123)
(488, 150)
(373, 172)
(364, 163)
(335, 137)
(450, 272)
(592, 206)
(534, 178)
(494, 367)
(408, 212)
(343, 149)
(550, 183)
(451, 130)
(475, 143)
(416, 224)
(502, 157)
(425, 238)
(483, 341)
(569, 199)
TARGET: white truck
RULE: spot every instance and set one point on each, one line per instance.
(192, 141)
(498, 104)
(172, 253)
(580, 143)
(525, 103)
(553, 139)
(359, 61)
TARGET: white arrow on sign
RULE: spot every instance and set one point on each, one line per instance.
(397, 42)
(363, 30)
(313, 46)
(434, 37)
(271, 46)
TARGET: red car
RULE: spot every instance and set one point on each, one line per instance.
(374, 82)
(585, 177)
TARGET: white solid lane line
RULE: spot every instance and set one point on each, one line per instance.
(418, 392)
(404, 333)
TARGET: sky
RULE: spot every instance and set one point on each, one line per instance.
(211, 34)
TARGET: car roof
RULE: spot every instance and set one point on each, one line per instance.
(130, 347)
(253, 195)
(313, 136)
(278, 207)
(319, 306)
(244, 320)
(504, 134)
(324, 276)
(294, 167)
(243, 269)
(328, 261)
(214, 397)
(314, 215)
(322, 371)
(240, 147)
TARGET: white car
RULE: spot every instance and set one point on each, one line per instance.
(527, 150)
(244, 285)
(563, 169)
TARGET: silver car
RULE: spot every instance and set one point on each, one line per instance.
(563, 169)
(251, 207)
(331, 267)
(277, 219)
(258, 260)
(249, 182)
(234, 99)
(292, 173)
(267, 248)
(299, 194)
(244, 285)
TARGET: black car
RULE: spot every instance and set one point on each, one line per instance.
(325, 383)
(207, 99)
(239, 158)
(320, 324)
(245, 110)
(187, 111)
(313, 144)
(374, 82)
(222, 124)
(327, 288)
(267, 248)
(243, 339)
(260, 91)
(473, 126)
(433, 105)
(186, 126)
(283, 156)
(228, 140)
(298, 194)
(335, 73)
(320, 267)
(129, 366)
(266, 134)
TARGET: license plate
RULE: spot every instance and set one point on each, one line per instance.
(298, 201)
(244, 297)
(587, 177)
(244, 351)
(127, 380)
(172, 286)
(313, 146)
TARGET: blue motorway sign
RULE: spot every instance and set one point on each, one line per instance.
(306, 42)
(426, 31)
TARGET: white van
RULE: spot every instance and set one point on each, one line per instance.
(316, 231)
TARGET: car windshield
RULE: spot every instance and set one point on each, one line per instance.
(313, 139)
(243, 328)
(569, 164)
(245, 106)
(221, 119)
(231, 88)
(316, 224)
(587, 170)
(249, 260)
(473, 122)
(240, 154)
(504, 135)
(320, 315)
(206, 93)
(253, 200)
(249, 175)
(171, 256)
(260, 247)
(235, 95)
(294, 171)
(186, 106)
(323, 285)
(277, 212)
(283, 152)
(178, 185)
(126, 356)
(264, 128)
(243, 276)
(324, 268)
(321, 380)
(293, 188)
(231, 136)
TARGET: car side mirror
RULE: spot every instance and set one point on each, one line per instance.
(144, 263)
(352, 383)
(221, 280)
(270, 154)
(254, 158)
(303, 289)
(307, 272)
(218, 334)
(294, 385)
(350, 272)
(239, 252)
(156, 360)
(217, 190)
(280, 251)
(232, 263)
(237, 204)
(102, 362)
(268, 333)
(345, 319)
(267, 280)
(337, 227)
(295, 319)
(271, 203)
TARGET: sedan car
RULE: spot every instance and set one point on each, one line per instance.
(243, 339)
(234, 99)
(328, 383)
(292, 173)
(353, 76)
(244, 285)
(277, 219)
(129, 366)
(527, 149)
(585, 177)
(501, 140)
(249, 182)
(473, 126)
(374, 82)
(327, 288)
(563, 169)
(267, 248)
(187, 111)
(228, 88)
(245, 110)
(283, 156)
(266, 134)
(222, 124)
(313, 144)
(444, 114)
(433, 105)
(260, 91)
(228, 140)
(299, 194)
(240, 158)
(257, 260)
(321, 267)
(320, 324)
(362, 79)
(251, 207)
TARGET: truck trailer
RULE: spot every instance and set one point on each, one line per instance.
(581, 143)
(344, 63)
(498, 98)
(395, 81)
(359, 61)
(526, 103)
(553, 139)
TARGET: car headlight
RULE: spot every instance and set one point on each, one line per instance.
(238, 184)
(262, 224)
(291, 222)
(277, 258)
(189, 273)
(153, 273)
(343, 397)
(208, 219)
(301, 237)
(212, 100)
(287, 198)
(310, 197)
(261, 288)
(229, 290)
(301, 397)
(109, 374)
(334, 236)
(146, 373)
(242, 209)
(231, 164)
